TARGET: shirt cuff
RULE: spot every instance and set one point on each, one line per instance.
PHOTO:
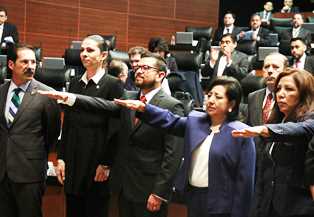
(71, 98)
(160, 198)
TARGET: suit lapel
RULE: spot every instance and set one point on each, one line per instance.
(259, 106)
(200, 132)
(27, 99)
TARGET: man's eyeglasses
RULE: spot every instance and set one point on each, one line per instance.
(144, 68)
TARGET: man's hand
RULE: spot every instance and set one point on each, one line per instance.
(241, 34)
(312, 191)
(153, 203)
(54, 95)
(252, 132)
(214, 54)
(227, 52)
(60, 171)
(136, 105)
(102, 173)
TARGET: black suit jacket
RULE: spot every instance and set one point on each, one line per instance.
(219, 33)
(10, 30)
(86, 140)
(281, 182)
(238, 68)
(148, 158)
(24, 146)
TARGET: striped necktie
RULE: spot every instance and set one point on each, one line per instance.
(14, 105)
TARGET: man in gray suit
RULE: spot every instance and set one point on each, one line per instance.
(226, 60)
(29, 124)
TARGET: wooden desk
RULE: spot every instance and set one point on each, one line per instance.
(290, 15)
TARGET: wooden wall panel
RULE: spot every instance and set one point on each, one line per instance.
(161, 8)
(51, 19)
(106, 5)
(53, 24)
(104, 23)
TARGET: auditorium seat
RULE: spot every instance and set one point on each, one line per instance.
(189, 66)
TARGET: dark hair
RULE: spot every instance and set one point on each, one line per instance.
(101, 42)
(231, 13)
(158, 44)
(255, 15)
(4, 9)
(137, 50)
(233, 93)
(161, 63)
(14, 48)
(116, 67)
(304, 81)
(233, 37)
(298, 39)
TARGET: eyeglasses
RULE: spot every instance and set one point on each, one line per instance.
(144, 68)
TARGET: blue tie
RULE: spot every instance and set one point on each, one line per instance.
(14, 105)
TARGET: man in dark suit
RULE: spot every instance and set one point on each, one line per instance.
(297, 31)
(8, 32)
(228, 27)
(227, 60)
(256, 36)
(266, 14)
(300, 59)
(29, 125)
(148, 158)
(289, 8)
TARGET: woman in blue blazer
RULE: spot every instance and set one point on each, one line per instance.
(218, 170)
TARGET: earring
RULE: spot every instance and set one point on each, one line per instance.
(230, 110)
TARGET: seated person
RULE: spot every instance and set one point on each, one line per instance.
(266, 14)
(297, 30)
(119, 69)
(289, 8)
(160, 46)
(228, 27)
(8, 32)
(256, 34)
(226, 60)
(300, 59)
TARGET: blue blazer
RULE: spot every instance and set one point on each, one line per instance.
(231, 160)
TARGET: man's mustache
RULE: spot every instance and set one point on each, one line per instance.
(29, 71)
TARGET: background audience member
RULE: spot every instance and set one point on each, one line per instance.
(29, 126)
(226, 60)
(289, 8)
(84, 155)
(228, 27)
(160, 46)
(256, 34)
(135, 54)
(300, 59)
(266, 14)
(280, 187)
(8, 32)
(214, 184)
(297, 30)
(118, 69)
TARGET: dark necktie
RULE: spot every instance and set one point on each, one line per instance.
(144, 100)
(14, 105)
(228, 30)
(267, 107)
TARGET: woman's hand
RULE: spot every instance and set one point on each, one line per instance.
(136, 105)
(252, 132)
(60, 171)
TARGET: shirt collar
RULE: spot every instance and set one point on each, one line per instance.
(96, 78)
(151, 94)
(268, 92)
(22, 86)
(1, 26)
(302, 59)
